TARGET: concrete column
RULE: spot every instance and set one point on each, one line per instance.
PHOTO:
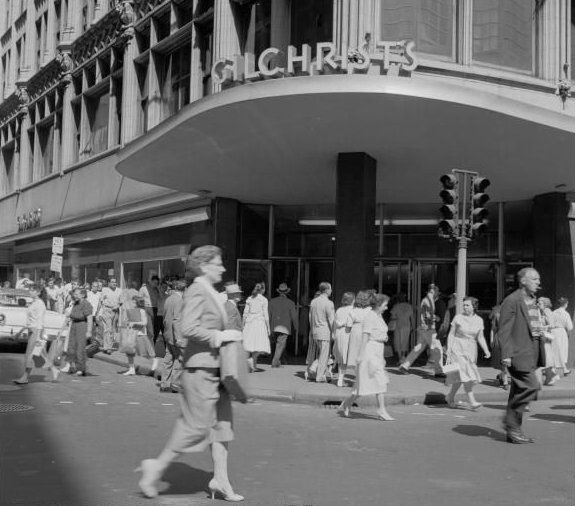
(225, 214)
(51, 20)
(130, 93)
(24, 169)
(550, 64)
(280, 34)
(196, 90)
(355, 213)
(225, 41)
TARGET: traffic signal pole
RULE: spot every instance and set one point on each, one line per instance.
(461, 273)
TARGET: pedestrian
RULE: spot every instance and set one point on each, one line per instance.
(35, 316)
(402, 314)
(233, 293)
(52, 292)
(111, 300)
(136, 340)
(371, 376)
(206, 415)
(341, 333)
(322, 318)
(24, 281)
(283, 320)
(256, 326)
(426, 334)
(361, 307)
(503, 376)
(156, 299)
(522, 351)
(553, 360)
(175, 344)
(563, 325)
(80, 331)
(60, 304)
(466, 330)
(94, 298)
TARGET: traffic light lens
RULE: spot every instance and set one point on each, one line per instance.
(448, 196)
(448, 181)
(480, 199)
(481, 184)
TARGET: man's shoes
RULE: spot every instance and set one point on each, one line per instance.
(165, 389)
(439, 375)
(403, 369)
(175, 389)
(519, 438)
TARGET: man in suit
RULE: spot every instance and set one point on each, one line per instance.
(175, 344)
(522, 351)
(322, 317)
(233, 293)
(283, 319)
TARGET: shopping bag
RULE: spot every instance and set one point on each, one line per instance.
(450, 369)
(128, 342)
(234, 370)
(144, 347)
(92, 347)
(39, 354)
(56, 350)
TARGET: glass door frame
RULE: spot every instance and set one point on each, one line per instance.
(381, 261)
(122, 283)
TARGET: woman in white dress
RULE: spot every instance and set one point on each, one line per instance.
(562, 325)
(360, 309)
(553, 361)
(371, 376)
(341, 333)
(466, 330)
(256, 325)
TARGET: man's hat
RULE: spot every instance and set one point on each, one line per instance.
(232, 289)
(283, 288)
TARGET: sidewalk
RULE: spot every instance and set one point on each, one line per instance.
(287, 384)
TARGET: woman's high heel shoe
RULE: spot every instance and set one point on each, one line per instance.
(228, 495)
(386, 417)
(345, 410)
(151, 473)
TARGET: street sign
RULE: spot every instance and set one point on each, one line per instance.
(58, 246)
(56, 263)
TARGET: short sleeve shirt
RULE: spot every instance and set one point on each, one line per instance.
(81, 310)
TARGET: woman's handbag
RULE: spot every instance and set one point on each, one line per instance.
(128, 342)
(234, 370)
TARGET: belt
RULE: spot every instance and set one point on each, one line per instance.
(78, 321)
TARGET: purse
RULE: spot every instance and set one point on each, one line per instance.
(234, 370)
(128, 342)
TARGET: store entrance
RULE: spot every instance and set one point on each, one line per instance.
(302, 275)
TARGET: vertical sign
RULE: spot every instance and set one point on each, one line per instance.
(56, 258)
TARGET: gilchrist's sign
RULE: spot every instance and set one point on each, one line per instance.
(390, 58)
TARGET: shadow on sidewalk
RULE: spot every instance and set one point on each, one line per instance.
(185, 480)
(560, 406)
(480, 431)
(555, 418)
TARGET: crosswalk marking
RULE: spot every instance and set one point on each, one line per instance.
(132, 403)
(101, 403)
(65, 402)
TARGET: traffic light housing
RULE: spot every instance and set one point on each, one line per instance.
(447, 227)
(478, 201)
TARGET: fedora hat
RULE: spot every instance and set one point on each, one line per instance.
(283, 288)
(233, 288)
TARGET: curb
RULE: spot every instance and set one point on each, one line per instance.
(324, 400)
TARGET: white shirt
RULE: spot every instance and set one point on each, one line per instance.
(93, 299)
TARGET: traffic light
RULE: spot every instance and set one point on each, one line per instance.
(479, 199)
(447, 226)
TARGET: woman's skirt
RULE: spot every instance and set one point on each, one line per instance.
(371, 376)
(401, 339)
(341, 346)
(355, 342)
(463, 353)
(562, 343)
(206, 413)
(144, 346)
(552, 353)
(255, 337)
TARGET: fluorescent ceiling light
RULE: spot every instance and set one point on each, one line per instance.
(396, 222)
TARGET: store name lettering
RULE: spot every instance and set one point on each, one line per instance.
(30, 220)
(274, 63)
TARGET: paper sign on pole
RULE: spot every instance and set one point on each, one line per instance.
(56, 263)
(58, 245)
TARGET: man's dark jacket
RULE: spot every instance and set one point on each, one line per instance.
(517, 341)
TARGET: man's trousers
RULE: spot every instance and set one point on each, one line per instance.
(524, 388)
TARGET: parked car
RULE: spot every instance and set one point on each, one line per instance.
(13, 307)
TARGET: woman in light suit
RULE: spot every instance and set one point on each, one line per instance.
(206, 416)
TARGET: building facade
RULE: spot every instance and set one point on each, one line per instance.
(305, 137)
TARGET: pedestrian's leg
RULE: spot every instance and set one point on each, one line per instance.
(381, 411)
(107, 323)
(469, 393)
(28, 363)
(347, 404)
(420, 346)
(254, 358)
(450, 397)
(167, 365)
(80, 353)
(322, 360)
(280, 347)
(131, 368)
(438, 353)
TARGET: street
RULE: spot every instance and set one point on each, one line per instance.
(84, 436)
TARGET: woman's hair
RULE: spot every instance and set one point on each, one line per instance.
(378, 300)
(324, 286)
(363, 299)
(545, 301)
(200, 256)
(474, 301)
(259, 288)
(562, 301)
(347, 299)
(82, 291)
